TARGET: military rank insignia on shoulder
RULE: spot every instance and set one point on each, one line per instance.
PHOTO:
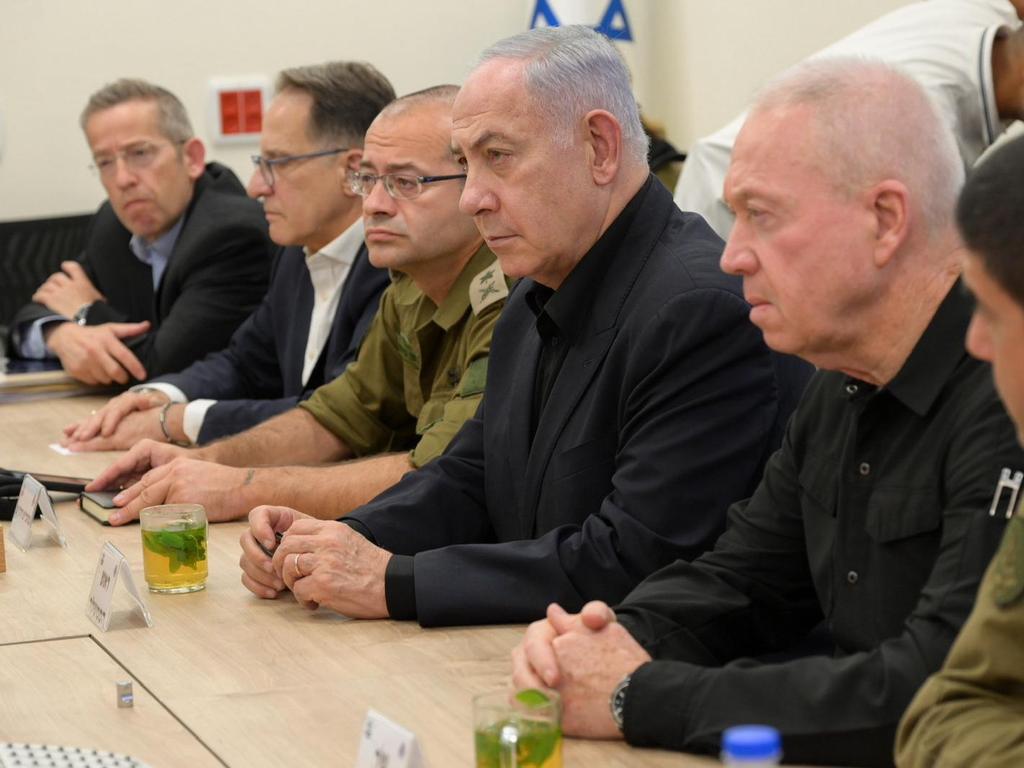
(487, 288)
(1008, 567)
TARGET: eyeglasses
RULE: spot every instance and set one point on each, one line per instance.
(266, 164)
(135, 158)
(401, 186)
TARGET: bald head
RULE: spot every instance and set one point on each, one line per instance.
(438, 96)
(871, 122)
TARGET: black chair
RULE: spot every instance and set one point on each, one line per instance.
(30, 251)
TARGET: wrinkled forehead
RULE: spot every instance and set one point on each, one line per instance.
(769, 144)
(494, 98)
(124, 123)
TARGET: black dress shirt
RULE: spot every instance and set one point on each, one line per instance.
(561, 322)
(561, 315)
(874, 517)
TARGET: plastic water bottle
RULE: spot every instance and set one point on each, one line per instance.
(751, 746)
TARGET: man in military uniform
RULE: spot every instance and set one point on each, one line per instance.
(972, 711)
(420, 372)
(871, 522)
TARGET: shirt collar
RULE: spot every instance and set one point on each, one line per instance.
(342, 249)
(936, 354)
(161, 248)
(563, 307)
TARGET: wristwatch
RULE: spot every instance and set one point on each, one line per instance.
(82, 315)
(618, 701)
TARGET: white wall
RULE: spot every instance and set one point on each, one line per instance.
(718, 53)
(697, 62)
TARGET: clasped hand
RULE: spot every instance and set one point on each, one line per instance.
(323, 563)
(583, 656)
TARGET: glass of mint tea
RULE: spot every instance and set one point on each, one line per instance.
(174, 547)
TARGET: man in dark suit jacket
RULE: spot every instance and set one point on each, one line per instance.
(629, 400)
(322, 297)
(176, 259)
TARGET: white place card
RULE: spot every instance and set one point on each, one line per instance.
(33, 495)
(24, 511)
(385, 744)
(112, 564)
(48, 513)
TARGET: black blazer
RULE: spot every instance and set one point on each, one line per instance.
(260, 373)
(660, 418)
(215, 278)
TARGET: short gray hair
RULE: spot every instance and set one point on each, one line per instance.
(347, 96)
(570, 71)
(172, 119)
(871, 122)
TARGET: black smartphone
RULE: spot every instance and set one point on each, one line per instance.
(52, 482)
(97, 504)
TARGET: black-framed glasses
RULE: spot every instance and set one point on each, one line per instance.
(135, 157)
(266, 164)
(402, 186)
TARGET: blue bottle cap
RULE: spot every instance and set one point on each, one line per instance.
(752, 742)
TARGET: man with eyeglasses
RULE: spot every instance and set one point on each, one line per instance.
(176, 258)
(419, 374)
(323, 294)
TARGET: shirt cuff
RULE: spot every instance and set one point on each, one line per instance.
(31, 344)
(400, 588)
(192, 422)
(176, 395)
(655, 712)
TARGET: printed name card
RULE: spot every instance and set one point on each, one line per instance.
(385, 744)
(33, 496)
(112, 564)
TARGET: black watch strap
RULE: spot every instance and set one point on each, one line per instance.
(618, 701)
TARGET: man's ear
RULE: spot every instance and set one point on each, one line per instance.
(603, 137)
(195, 157)
(349, 161)
(890, 208)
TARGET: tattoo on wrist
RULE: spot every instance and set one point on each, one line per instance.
(249, 476)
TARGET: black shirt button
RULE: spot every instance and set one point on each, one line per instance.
(864, 469)
(852, 577)
(852, 389)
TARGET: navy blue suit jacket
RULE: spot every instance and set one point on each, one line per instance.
(662, 415)
(260, 373)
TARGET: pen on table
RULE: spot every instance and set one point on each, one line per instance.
(269, 552)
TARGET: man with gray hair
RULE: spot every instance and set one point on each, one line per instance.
(629, 400)
(872, 522)
(176, 258)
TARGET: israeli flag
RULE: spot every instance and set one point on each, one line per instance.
(608, 17)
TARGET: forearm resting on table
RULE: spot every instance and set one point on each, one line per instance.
(293, 437)
(329, 492)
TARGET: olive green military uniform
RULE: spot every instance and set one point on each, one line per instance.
(421, 370)
(971, 713)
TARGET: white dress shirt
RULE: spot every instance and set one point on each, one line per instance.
(328, 269)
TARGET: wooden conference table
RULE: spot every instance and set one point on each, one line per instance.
(222, 678)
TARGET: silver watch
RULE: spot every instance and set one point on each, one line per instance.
(617, 702)
(81, 317)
